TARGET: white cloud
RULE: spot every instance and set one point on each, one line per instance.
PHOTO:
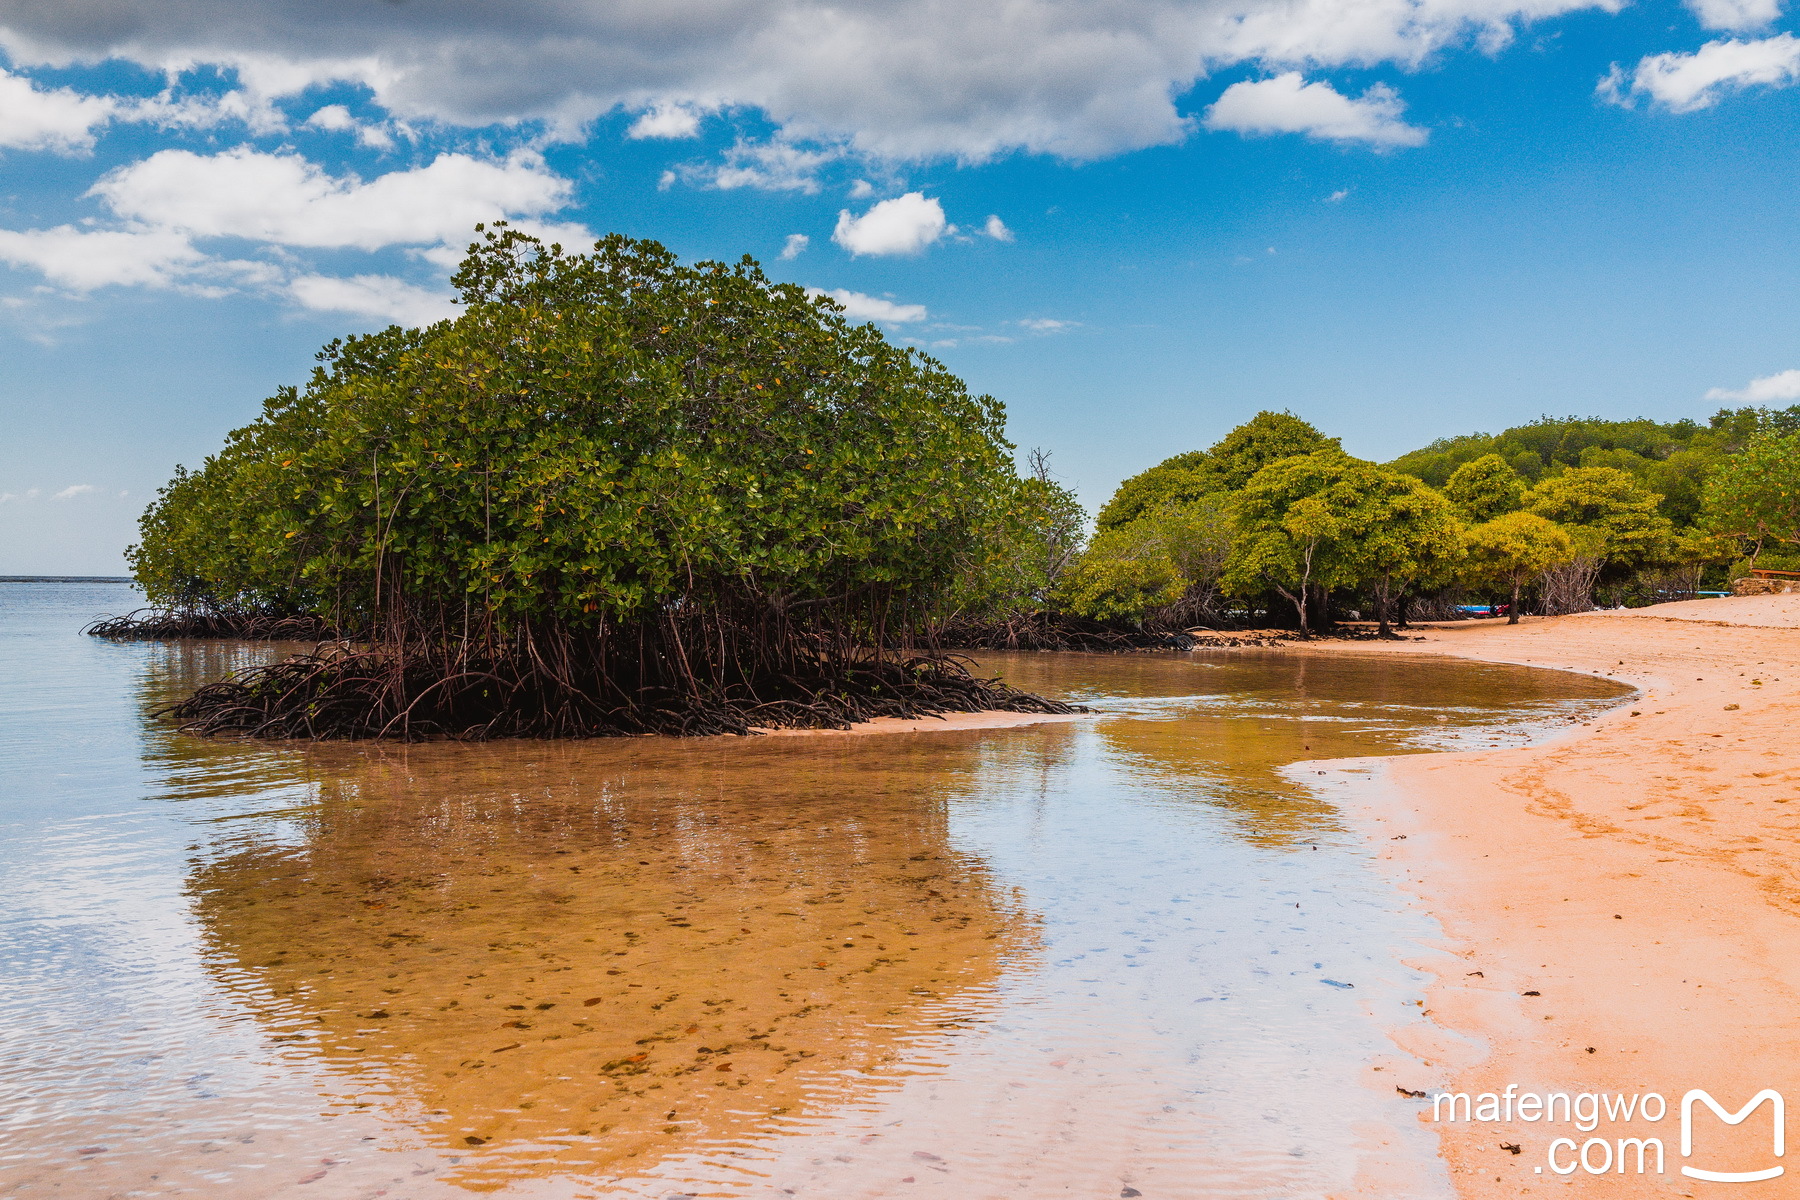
(65, 120)
(207, 110)
(1288, 104)
(996, 229)
(379, 296)
(1735, 15)
(80, 489)
(84, 259)
(901, 80)
(795, 246)
(1779, 387)
(1047, 325)
(872, 308)
(904, 225)
(168, 205)
(284, 199)
(666, 121)
(57, 119)
(862, 189)
(1686, 82)
(1338, 196)
(333, 117)
(776, 166)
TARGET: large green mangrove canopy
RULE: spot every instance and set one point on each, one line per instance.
(627, 472)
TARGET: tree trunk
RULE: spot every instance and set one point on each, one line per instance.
(1512, 610)
(1298, 600)
(1305, 582)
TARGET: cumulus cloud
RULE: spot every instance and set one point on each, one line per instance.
(333, 117)
(286, 200)
(777, 166)
(1783, 386)
(80, 489)
(380, 296)
(795, 246)
(1288, 104)
(58, 119)
(904, 225)
(85, 259)
(206, 110)
(1686, 82)
(901, 80)
(872, 308)
(666, 121)
(168, 207)
(1735, 15)
(996, 229)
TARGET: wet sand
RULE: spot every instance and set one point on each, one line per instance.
(1621, 902)
(945, 723)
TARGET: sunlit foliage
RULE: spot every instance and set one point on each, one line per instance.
(615, 473)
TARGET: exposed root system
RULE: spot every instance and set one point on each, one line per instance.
(161, 624)
(1053, 631)
(346, 692)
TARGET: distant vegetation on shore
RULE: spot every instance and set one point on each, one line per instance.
(1277, 522)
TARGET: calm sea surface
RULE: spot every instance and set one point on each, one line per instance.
(1079, 959)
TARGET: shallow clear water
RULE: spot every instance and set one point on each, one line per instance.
(1054, 959)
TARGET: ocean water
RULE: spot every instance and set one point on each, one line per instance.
(1133, 953)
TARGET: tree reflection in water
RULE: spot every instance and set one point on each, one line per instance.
(1224, 729)
(586, 957)
(632, 960)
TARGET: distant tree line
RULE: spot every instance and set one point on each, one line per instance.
(1276, 523)
(623, 494)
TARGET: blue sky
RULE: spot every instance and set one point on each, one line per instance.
(1134, 223)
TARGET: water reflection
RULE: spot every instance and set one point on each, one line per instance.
(588, 957)
(1058, 958)
(1226, 729)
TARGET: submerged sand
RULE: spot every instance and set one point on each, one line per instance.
(1621, 903)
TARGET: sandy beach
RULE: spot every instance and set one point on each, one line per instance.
(1621, 903)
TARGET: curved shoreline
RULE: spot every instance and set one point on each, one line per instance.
(1620, 901)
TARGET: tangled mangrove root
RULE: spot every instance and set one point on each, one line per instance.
(1053, 631)
(346, 692)
(162, 624)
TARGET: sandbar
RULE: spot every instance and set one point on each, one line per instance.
(1621, 901)
(948, 722)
